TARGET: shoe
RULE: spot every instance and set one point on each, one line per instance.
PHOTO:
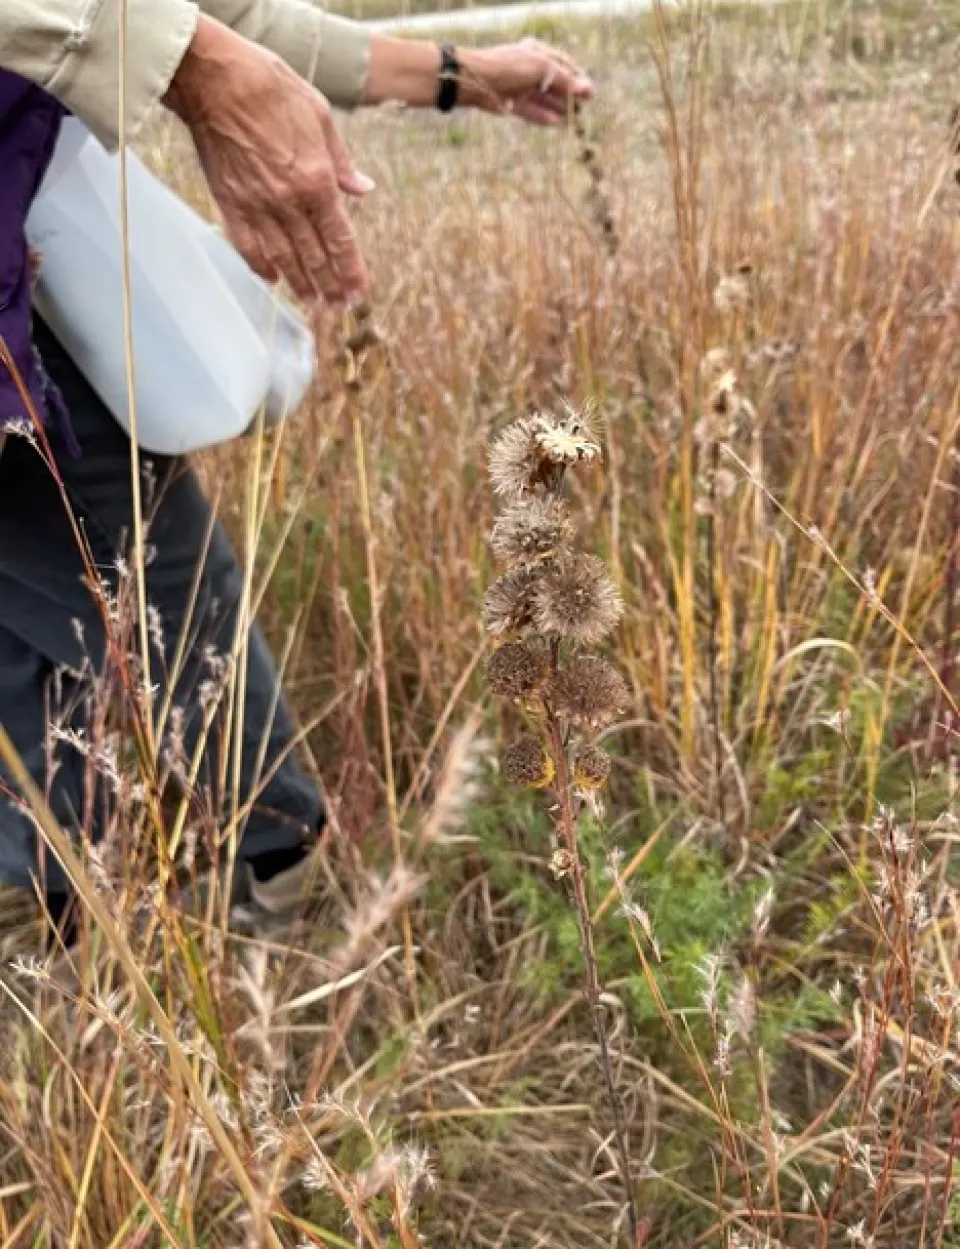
(279, 883)
(267, 889)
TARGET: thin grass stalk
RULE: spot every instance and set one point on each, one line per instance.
(126, 1165)
(139, 541)
(93, 1149)
(713, 642)
(356, 356)
(684, 144)
(952, 574)
(58, 842)
(890, 617)
(948, 441)
(953, 1150)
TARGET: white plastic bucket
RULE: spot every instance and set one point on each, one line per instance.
(213, 345)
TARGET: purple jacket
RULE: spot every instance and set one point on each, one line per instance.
(29, 125)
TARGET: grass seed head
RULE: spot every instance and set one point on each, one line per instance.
(519, 669)
(526, 763)
(589, 691)
(577, 600)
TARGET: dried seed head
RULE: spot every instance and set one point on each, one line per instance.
(722, 397)
(508, 603)
(530, 455)
(561, 863)
(714, 364)
(577, 600)
(531, 530)
(525, 762)
(567, 439)
(589, 691)
(519, 669)
(518, 464)
(732, 294)
(591, 768)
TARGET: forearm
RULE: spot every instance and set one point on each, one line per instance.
(408, 71)
(404, 70)
(72, 49)
(332, 53)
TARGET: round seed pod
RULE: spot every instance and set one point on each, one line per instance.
(591, 767)
(526, 763)
(519, 669)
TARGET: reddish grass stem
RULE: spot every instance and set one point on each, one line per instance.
(566, 826)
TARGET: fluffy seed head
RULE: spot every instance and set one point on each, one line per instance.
(508, 603)
(518, 465)
(577, 600)
(525, 762)
(519, 669)
(567, 439)
(531, 530)
(591, 767)
(530, 455)
(589, 691)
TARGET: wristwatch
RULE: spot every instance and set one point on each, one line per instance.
(449, 88)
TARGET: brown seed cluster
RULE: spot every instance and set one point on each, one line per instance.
(589, 691)
(519, 669)
(598, 198)
(531, 531)
(526, 763)
(508, 603)
(550, 605)
(577, 599)
(519, 466)
(529, 457)
(591, 767)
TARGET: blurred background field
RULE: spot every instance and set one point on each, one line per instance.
(782, 987)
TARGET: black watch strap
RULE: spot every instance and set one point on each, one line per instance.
(449, 88)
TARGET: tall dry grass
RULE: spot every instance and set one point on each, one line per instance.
(777, 925)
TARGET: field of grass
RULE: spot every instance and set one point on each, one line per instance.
(772, 877)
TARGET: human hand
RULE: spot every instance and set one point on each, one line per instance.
(529, 78)
(274, 162)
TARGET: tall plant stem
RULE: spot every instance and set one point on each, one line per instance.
(716, 711)
(567, 831)
(355, 392)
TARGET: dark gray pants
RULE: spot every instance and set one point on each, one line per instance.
(46, 609)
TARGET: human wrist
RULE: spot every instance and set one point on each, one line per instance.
(403, 70)
(209, 53)
(472, 84)
(408, 71)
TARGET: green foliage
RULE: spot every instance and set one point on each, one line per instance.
(686, 892)
(456, 136)
(824, 913)
(789, 786)
(539, 26)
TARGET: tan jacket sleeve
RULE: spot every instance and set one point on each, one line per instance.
(72, 49)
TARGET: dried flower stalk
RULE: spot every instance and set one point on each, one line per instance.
(550, 604)
(597, 196)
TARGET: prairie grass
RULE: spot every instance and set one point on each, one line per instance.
(773, 882)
